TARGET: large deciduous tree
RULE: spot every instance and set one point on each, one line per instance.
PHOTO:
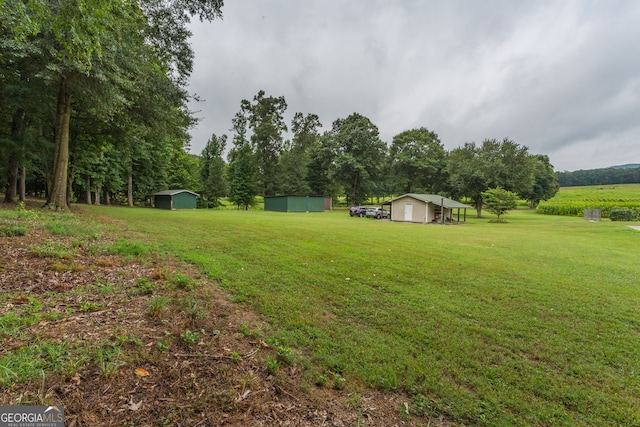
(545, 184)
(417, 160)
(241, 172)
(295, 159)
(473, 169)
(359, 154)
(212, 167)
(265, 117)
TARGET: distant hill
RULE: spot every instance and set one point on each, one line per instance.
(622, 174)
(628, 166)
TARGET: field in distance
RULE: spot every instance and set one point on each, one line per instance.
(572, 200)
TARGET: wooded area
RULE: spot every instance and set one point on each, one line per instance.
(626, 174)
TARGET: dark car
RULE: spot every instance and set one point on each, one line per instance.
(357, 211)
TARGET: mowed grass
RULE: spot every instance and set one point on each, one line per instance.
(534, 322)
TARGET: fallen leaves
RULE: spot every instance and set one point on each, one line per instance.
(141, 372)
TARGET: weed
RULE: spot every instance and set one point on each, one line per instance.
(21, 211)
(190, 337)
(109, 361)
(51, 249)
(65, 267)
(193, 307)
(127, 248)
(28, 362)
(12, 230)
(163, 345)
(355, 401)
(144, 287)
(12, 323)
(244, 330)
(88, 306)
(338, 381)
(285, 355)
(321, 380)
(104, 287)
(182, 282)
(421, 405)
(157, 305)
(272, 365)
(60, 229)
(53, 315)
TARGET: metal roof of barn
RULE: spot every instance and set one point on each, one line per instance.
(435, 199)
(174, 192)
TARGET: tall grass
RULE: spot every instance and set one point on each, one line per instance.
(534, 322)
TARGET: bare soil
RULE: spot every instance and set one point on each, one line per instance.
(94, 300)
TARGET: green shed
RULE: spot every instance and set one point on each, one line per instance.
(294, 204)
(175, 199)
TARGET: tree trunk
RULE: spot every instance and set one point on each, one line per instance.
(479, 207)
(107, 197)
(58, 197)
(70, 177)
(22, 183)
(130, 190)
(97, 194)
(88, 190)
(12, 178)
(13, 162)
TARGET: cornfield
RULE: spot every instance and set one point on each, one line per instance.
(571, 201)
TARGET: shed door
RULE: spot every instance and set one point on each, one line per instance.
(408, 212)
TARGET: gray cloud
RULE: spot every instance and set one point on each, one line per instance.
(561, 77)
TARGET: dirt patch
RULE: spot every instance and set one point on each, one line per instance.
(150, 341)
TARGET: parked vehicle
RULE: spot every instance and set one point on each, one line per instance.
(377, 213)
(357, 211)
(371, 212)
(383, 213)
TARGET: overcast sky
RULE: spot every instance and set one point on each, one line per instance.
(560, 77)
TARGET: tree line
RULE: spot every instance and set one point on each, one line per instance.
(93, 102)
(93, 108)
(629, 174)
(350, 160)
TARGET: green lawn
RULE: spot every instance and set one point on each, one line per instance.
(534, 322)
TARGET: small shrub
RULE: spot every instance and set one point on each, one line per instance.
(22, 212)
(624, 214)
